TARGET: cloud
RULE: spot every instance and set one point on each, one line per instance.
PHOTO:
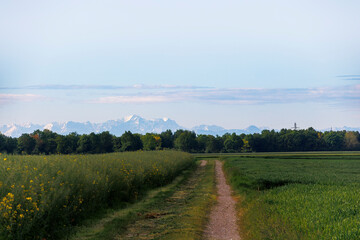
(145, 94)
(102, 87)
(9, 98)
(350, 77)
(131, 99)
(242, 96)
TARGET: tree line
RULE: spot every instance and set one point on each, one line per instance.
(286, 140)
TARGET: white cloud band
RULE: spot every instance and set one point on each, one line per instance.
(9, 98)
(241, 96)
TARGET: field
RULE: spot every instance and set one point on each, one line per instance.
(178, 210)
(165, 195)
(43, 197)
(297, 196)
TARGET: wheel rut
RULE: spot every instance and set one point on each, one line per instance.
(222, 224)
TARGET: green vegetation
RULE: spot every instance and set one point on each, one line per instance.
(45, 196)
(297, 196)
(285, 140)
(176, 211)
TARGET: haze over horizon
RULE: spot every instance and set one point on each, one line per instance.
(229, 63)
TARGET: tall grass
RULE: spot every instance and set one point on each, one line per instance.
(297, 196)
(40, 196)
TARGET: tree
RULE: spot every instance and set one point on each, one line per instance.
(256, 142)
(351, 141)
(130, 142)
(214, 144)
(26, 143)
(334, 140)
(85, 144)
(167, 139)
(45, 141)
(2, 142)
(117, 143)
(311, 140)
(11, 145)
(95, 143)
(106, 142)
(186, 141)
(61, 145)
(232, 143)
(246, 146)
(150, 142)
(67, 144)
(202, 142)
(72, 142)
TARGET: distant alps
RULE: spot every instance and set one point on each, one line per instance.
(133, 123)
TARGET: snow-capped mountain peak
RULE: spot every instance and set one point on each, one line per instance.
(49, 126)
(133, 123)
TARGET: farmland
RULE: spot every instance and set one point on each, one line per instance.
(162, 195)
(44, 196)
(297, 196)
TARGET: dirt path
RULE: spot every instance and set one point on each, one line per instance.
(222, 224)
(181, 214)
(203, 163)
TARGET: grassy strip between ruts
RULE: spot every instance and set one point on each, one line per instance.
(176, 211)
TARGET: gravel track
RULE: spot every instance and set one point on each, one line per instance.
(222, 224)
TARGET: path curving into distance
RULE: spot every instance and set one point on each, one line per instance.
(222, 224)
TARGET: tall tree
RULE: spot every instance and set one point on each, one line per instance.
(151, 141)
(130, 142)
(117, 143)
(85, 144)
(351, 141)
(232, 143)
(106, 142)
(334, 140)
(2, 142)
(186, 141)
(26, 143)
(167, 139)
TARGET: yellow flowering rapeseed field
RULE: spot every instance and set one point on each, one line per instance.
(40, 196)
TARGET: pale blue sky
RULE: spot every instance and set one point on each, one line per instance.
(230, 63)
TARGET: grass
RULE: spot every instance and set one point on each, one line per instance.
(297, 196)
(175, 211)
(114, 221)
(46, 196)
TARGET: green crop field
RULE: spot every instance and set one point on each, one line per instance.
(297, 196)
(42, 197)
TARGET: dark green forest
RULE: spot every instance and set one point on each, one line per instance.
(285, 140)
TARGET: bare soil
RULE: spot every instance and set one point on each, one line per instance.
(203, 163)
(222, 224)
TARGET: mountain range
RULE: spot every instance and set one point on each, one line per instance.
(133, 123)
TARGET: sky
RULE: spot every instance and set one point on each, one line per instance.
(231, 63)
